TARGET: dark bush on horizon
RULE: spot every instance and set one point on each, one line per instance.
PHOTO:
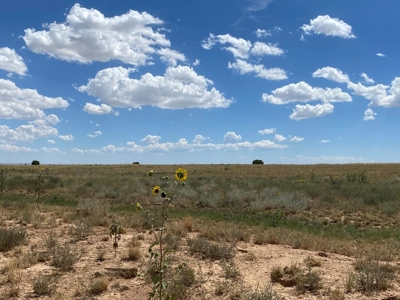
(135, 163)
(35, 163)
(258, 162)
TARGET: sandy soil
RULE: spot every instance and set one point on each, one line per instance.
(255, 263)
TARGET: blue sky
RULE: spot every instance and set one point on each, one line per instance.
(164, 82)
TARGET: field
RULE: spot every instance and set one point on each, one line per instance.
(229, 232)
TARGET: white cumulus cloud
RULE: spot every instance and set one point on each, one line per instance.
(367, 80)
(380, 55)
(25, 104)
(302, 112)
(87, 36)
(95, 134)
(243, 67)
(232, 137)
(52, 150)
(68, 137)
(26, 133)
(380, 95)
(267, 131)
(198, 139)
(369, 115)
(331, 74)
(260, 49)
(51, 141)
(13, 148)
(324, 141)
(260, 33)
(303, 92)
(11, 61)
(183, 145)
(279, 138)
(94, 109)
(180, 87)
(296, 139)
(85, 151)
(238, 47)
(151, 139)
(328, 26)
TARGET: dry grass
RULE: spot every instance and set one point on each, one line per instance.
(98, 286)
(220, 206)
(134, 253)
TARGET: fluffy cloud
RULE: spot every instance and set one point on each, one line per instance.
(10, 61)
(87, 36)
(279, 138)
(68, 137)
(260, 33)
(380, 55)
(196, 62)
(180, 87)
(96, 134)
(324, 141)
(311, 111)
(244, 67)
(241, 48)
(369, 115)
(26, 133)
(267, 131)
(181, 145)
(94, 109)
(151, 139)
(296, 139)
(52, 150)
(260, 49)
(238, 47)
(232, 137)
(85, 151)
(51, 141)
(303, 92)
(331, 74)
(367, 80)
(328, 26)
(13, 148)
(171, 57)
(381, 95)
(198, 139)
(25, 104)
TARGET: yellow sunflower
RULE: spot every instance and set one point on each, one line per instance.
(181, 174)
(138, 207)
(156, 190)
(41, 168)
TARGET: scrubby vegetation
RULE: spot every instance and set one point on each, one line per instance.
(210, 217)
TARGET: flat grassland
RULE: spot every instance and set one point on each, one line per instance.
(243, 231)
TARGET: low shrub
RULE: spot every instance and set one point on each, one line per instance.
(11, 237)
(212, 250)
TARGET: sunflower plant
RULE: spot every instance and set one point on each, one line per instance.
(159, 253)
(39, 191)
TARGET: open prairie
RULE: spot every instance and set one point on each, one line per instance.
(226, 232)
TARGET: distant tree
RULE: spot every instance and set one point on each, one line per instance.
(35, 163)
(258, 162)
(135, 163)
